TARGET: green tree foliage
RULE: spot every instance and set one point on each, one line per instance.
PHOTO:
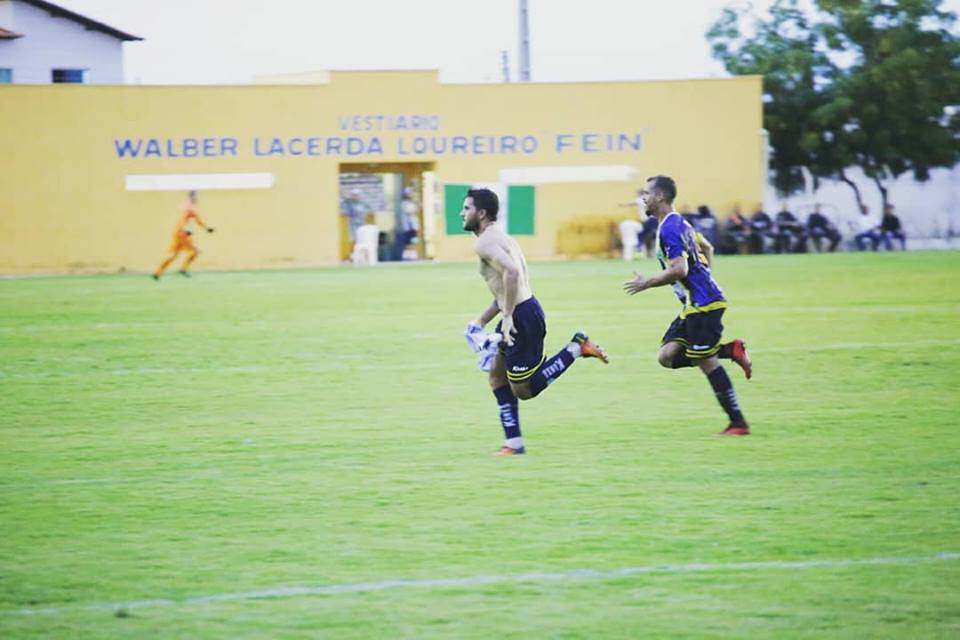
(867, 83)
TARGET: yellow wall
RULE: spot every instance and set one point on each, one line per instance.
(65, 207)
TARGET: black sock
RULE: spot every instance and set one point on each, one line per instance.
(509, 411)
(680, 361)
(550, 371)
(726, 351)
(723, 389)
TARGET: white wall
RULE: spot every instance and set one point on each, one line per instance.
(928, 209)
(50, 42)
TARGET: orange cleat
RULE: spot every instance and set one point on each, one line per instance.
(589, 349)
(736, 430)
(738, 353)
(510, 451)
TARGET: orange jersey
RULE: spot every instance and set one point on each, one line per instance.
(183, 230)
(184, 223)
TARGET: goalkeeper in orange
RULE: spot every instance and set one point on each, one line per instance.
(182, 240)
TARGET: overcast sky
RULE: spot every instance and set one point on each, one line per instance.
(231, 41)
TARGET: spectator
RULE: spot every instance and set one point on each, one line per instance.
(648, 236)
(866, 229)
(706, 223)
(355, 210)
(819, 227)
(890, 228)
(408, 223)
(761, 228)
(790, 234)
(736, 231)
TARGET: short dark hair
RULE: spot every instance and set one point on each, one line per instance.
(665, 185)
(487, 200)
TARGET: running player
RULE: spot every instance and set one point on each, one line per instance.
(520, 369)
(694, 336)
(181, 237)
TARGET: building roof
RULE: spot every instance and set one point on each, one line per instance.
(6, 34)
(91, 24)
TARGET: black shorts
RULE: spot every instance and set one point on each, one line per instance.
(700, 333)
(525, 356)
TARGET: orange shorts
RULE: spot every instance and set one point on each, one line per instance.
(181, 242)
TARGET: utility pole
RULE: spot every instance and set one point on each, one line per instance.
(524, 55)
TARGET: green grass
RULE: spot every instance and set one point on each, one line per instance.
(244, 431)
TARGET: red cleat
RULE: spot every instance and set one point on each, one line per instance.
(510, 451)
(589, 349)
(738, 353)
(736, 430)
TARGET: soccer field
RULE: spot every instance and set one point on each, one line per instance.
(308, 454)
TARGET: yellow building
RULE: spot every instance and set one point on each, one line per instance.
(93, 176)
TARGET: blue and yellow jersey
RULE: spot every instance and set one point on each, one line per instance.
(698, 292)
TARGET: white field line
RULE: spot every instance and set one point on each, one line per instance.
(357, 362)
(476, 581)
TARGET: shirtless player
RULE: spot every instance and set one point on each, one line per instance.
(520, 369)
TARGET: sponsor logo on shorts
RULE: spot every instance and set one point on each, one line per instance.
(700, 347)
(519, 369)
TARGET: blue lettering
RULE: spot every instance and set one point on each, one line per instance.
(563, 141)
(401, 123)
(276, 147)
(209, 149)
(153, 149)
(354, 146)
(127, 147)
(171, 151)
(434, 123)
(190, 148)
(508, 144)
(477, 145)
(228, 146)
(529, 144)
(333, 146)
(438, 149)
(296, 146)
(256, 148)
(313, 146)
(343, 122)
(459, 144)
(634, 143)
(588, 143)
(419, 145)
(355, 123)
(401, 148)
(415, 122)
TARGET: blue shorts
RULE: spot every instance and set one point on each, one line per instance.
(699, 333)
(524, 358)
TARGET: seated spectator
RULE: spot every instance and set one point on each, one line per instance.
(761, 228)
(819, 227)
(736, 231)
(890, 228)
(706, 223)
(790, 237)
(867, 230)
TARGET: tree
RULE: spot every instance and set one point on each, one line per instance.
(797, 74)
(871, 83)
(894, 107)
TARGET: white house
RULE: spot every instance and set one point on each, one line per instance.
(42, 42)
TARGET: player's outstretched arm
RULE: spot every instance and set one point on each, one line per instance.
(674, 272)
